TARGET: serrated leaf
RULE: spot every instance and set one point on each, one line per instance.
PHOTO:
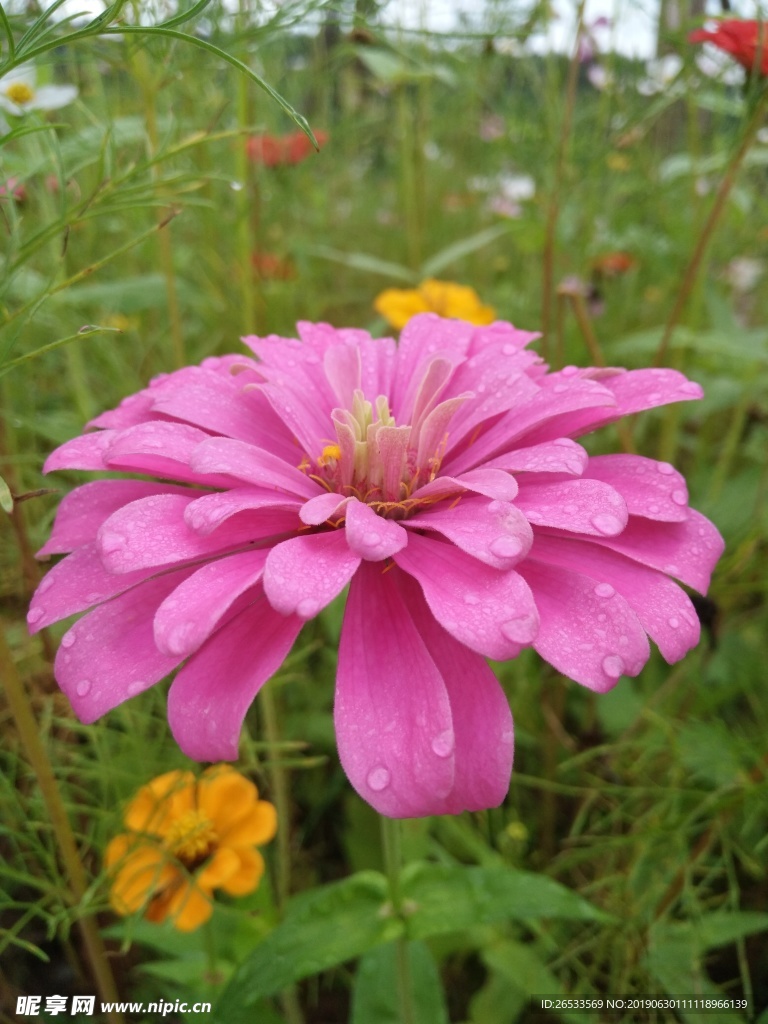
(449, 898)
(375, 998)
(322, 928)
(464, 247)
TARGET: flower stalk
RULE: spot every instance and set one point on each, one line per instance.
(39, 761)
(391, 850)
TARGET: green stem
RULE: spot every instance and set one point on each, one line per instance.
(390, 843)
(553, 212)
(724, 190)
(408, 177)
(37, 757)
(245, 241)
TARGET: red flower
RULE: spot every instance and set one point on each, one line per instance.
(271, 267)
(15, 189)
(276, 150)
(745, 41)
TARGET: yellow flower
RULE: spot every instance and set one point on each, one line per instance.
(187, 837)
(398, 305)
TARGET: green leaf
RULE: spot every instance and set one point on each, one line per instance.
(362, 261)
(84, 332)
(6, 498)
(322, 928)
(128, 295)
(375, 997)
(466, 246)
(522, 967)
(448, 898)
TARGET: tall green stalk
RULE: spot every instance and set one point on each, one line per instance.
(37, 757)
(390, 843)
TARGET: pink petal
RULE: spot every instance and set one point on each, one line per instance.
(688, 551)
(219, 404)
(579, 506)
(433, 380)
(274, 514)
(110, 655)
(490, 611)
(559, 456)
(498, 383)
(304, 574)
(503, 338)
(159, 448)
(132, 410)
(189, 615)
(664, 610)
(77, 582)
(494, 531)
(320, 508)
(651, 489)
(584, 636)
(83, 452)
(224, 455)
(482, 720)
(424, 337)
(82, 511)
(211, 694)
(370, 536)
(393, 720)
(152, 532)
(378, 358)
(342, 369)
(493, 483)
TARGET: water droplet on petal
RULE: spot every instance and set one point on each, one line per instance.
(533, 516)
(673, 570)
(68, 639)
(135, 687)
(378, 778)
(505, 547)
(509, 350)
(664, 468)
(653, 509)
(45, 584)
(471, 599)
(371, 540)
(680, 497)
(602, 618)
(560, 388)
(586, 647)
(306, 608)
(83, 688)
(569, 371)
(655, 396)
(691, 388)
(673, 622)
(613, 666)
(92, 597)
(604, 590)
(607, 524)
(443, 744)
(520, 630)
(34, 615)
(112, 542)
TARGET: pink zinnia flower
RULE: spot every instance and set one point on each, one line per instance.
(438, 478)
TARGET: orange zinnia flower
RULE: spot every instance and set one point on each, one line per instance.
(187, 837)
(398, 305)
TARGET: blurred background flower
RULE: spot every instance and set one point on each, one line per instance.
(19, 92)
(398, 305)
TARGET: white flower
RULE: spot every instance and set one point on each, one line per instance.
(743, 273)
(19, 93)
(716, 64)
(600, 77)
(661, 72)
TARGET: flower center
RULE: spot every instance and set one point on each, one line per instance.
(375, 460)
(20, 93)
(191, 838)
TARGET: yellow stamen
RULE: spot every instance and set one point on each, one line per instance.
(330, 452)
(192, 837)
(20, 93)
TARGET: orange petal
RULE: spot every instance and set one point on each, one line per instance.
(157, 805)
(248, 875)
(254, 829)
(140, 875)
(189, 908)
(224, 863)
(224, 795)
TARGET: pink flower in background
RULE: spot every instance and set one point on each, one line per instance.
(437, 477)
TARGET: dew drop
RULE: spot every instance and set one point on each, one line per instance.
(586, 647)
(443, 743)
(673, 570)
(520, 630)
(623, 640)
(690, 388)
(664, 468)
(569, 371)
(135, 687)
(83, 688)
(673, 622)
(655, 396)
(563, 442)
(509, 350)
(110, 542)
(558, 389)
(533, 516)
(68, 639)
(306, 608)
(680, 497)
(471, 599)
(653, 509)
(378, 778)
(45, 584)
(602, 617)
(613, 666)
(604, 590)
(34, 615)
(607, 524)
(505, 547)
(92, 597)
(371, 540)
